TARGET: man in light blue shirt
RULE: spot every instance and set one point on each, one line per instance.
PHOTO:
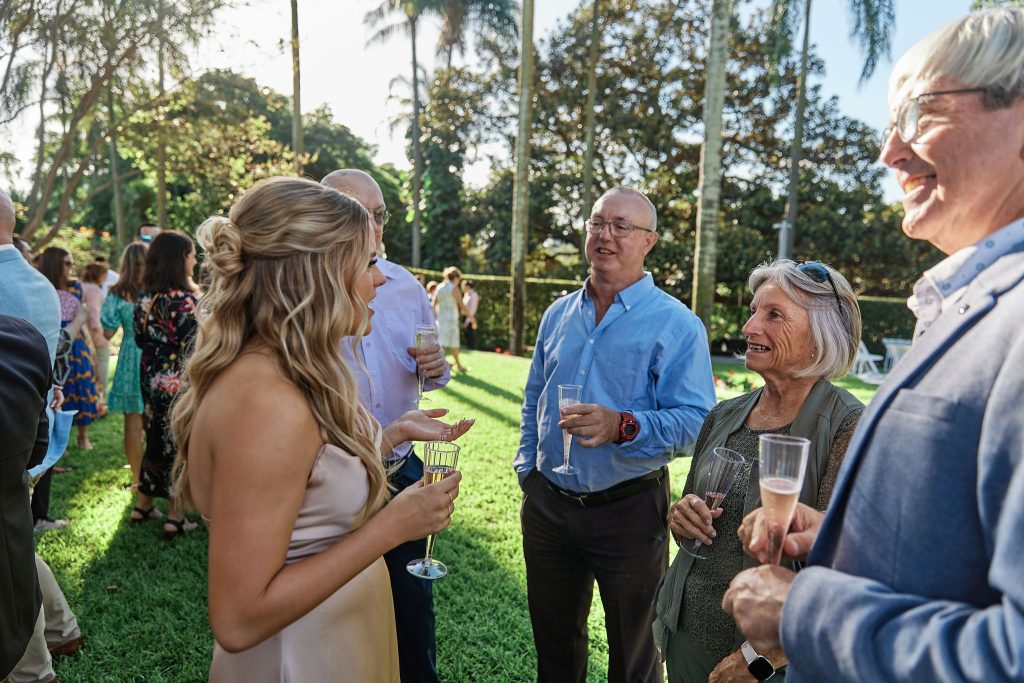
(389, 389)
(642, 360)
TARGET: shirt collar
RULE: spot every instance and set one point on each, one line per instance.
(630, 296)
(387, 268)
(4, 247)
(960, 268)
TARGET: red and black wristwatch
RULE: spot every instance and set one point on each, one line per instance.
(628, 427)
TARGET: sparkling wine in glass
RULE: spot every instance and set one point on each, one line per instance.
(440, 458)
(568, 395)
(783, 461)
(715, 481)
(426, 336)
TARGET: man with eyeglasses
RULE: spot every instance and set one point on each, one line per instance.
(391, 390)
(916, 573)
(642, 360)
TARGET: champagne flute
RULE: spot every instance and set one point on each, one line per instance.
(783, 460)
(568, 395)
(440, 459)
(426, 335)
(717, 481)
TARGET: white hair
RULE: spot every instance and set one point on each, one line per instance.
(835, 332)
(984, 49)
(638, 194)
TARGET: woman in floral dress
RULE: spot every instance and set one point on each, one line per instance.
(126, 394)
(80, 387)
(165, 325)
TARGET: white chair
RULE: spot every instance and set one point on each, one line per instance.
(895, 349)
(865, 368)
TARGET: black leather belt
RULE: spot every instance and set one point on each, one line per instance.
(649, 481)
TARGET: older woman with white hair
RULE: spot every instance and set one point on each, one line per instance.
(804, 330)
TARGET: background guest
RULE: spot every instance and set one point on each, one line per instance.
(110, 278)
(447, 307)
(126, 393)
(471, 300)
(803, 331)
(80, 391)
(165, 325)
(93, 277)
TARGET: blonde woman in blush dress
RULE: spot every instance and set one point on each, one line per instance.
(279, 456)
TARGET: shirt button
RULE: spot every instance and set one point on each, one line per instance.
(374, 374)
(583, 372)
(378, 404)
(591, 341)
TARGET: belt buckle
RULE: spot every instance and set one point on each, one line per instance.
(578, 499)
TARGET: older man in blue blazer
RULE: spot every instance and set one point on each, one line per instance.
(917, 570)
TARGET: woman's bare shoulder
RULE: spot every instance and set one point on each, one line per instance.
(252, 399)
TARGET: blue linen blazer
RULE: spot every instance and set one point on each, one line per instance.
(918, 571)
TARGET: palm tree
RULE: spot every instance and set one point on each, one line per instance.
(521, 192)
(710, 181)
(409, 12)
(873, 23)
(457, 16)
(296, 99)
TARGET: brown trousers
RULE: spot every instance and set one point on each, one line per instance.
(624, 546)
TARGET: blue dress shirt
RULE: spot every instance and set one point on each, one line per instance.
(388, 388)
(649, 356)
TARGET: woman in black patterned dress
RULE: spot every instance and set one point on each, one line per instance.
(165, 326)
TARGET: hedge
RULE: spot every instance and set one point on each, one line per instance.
(882, 316)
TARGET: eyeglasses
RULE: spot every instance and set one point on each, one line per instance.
(381, 216)
(617, 228)
(819, 273)
(909, 113)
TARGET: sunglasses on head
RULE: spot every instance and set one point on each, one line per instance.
(819, 273)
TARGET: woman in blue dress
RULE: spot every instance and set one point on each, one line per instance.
(126, 394)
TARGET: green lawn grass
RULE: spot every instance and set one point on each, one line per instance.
(141, 602)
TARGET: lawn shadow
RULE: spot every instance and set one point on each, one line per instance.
(497, 415)
(493, 389)
(140, 601)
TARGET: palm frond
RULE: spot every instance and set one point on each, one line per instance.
(873, 24)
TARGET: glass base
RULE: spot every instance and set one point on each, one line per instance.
(565, 469)
(427, 569)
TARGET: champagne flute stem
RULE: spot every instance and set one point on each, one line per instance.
(430, 549)
(566, 449)
(696, 547)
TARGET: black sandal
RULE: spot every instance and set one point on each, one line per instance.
(180, 527)
(145, 515)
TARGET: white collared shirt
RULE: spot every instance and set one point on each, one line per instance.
(942, 286)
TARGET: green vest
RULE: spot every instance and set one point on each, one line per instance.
(819, 419)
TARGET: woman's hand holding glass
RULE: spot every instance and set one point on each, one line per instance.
(690, 519)
(421, 509)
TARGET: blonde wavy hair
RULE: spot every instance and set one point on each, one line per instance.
(283, 267)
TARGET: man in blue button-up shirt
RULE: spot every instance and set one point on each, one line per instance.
(642, 359)
(388, 392)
